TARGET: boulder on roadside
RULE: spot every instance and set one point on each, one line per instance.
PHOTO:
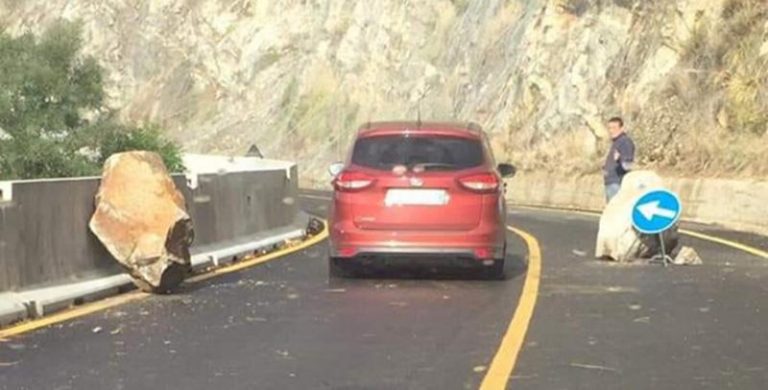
(617, 239)
(314, 227)
(142, 221)
(687, 256)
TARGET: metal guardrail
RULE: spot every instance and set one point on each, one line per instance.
(239, 206)
(17, 306)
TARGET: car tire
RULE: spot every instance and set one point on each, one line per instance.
(495, 271)
(339, 268)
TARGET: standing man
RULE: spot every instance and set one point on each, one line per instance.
(620, 158)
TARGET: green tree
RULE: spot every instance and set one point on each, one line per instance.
(46, 90)
(109, 137)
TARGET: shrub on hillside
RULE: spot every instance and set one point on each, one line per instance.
(47, 90)
(108, 137)
(726, 63)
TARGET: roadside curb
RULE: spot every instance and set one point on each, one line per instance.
(227, 254)
(12, 308)
(36, 303)
(702, 236)
(597, 213)
(738, 205)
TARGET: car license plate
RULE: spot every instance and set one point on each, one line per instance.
(420, 197)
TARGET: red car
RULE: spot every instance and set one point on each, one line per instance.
(411, 190)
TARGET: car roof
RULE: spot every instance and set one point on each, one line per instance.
(458, 129)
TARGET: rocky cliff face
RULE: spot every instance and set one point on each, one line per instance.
(296, 77)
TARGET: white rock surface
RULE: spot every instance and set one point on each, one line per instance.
(617, 239)
(687, 256)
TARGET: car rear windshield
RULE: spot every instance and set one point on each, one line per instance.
(437, 153)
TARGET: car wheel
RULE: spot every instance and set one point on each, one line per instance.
(496, 271)
(339, 268)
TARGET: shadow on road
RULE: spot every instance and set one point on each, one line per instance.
(424, 269)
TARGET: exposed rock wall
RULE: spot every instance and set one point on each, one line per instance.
(296, 77)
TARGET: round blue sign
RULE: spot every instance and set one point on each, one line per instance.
(656, 211)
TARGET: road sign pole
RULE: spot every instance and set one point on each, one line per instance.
(663, 249)
(666, 259)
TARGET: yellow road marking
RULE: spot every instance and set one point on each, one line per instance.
(701, 236)
(258, 260)
(723, 241)
(588, 213)
(504, 361)
(690, 233)
(706, 237)
(70, 314)
(94, 307)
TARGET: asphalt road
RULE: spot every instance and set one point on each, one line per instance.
(283, 325)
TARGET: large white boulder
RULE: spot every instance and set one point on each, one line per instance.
(617, 239)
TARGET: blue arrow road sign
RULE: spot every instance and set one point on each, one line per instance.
(656, 211)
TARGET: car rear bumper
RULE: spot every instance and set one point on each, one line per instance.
(482, 243)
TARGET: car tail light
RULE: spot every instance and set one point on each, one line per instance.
(347, 252)
(352, 181)
(483, 182)
(483, 253)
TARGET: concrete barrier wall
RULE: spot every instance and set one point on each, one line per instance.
(735, 204)
(225, 207)
(45, 239)
(9, 238)
(46, 233)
